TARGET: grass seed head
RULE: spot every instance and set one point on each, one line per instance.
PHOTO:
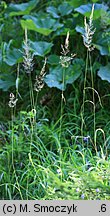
(39, 81)
(27, 57)
(64, 58)
(12, 101)
(89, 31)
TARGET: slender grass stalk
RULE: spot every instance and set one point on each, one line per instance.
(93, 98)
(28, 66)
(62, 102)
(87, 39)
(65, 62)
(13, 143)
(31, 93)
(84, 95)
(39, 83)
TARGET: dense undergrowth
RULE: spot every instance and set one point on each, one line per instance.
(54, 99)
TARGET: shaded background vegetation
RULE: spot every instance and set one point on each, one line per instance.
(67, 16)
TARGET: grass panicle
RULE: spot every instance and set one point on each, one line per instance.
(89, 31)
(39, 81)
(12, 101)
(65, 60)
(27, 57)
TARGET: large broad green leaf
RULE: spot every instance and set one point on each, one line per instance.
(76, 3)
(40, 48)
(103, 42)
(10, 55)
(53, 11)
(64, 9)
(104, 72)
(80, 29)
(103, 49)
(23, 8)
(30, 25)
(55, 76)
(105, 18)
(13, 56)
(86, 10)
(6, 81)
(42, 26)
(53, 59)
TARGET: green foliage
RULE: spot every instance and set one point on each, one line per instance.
(41, 25)
(46, 30)
(62, 10)
(55, 76)
(55, 143)
(104, 72)
(40, 48)
(6, 81)
(22, 9)
(86, 10)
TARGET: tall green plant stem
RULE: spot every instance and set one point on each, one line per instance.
(61, 113)
(32, 105)
(93, 99)
(31, 92)
(12, 140)
(84, 93)
(62, 100)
